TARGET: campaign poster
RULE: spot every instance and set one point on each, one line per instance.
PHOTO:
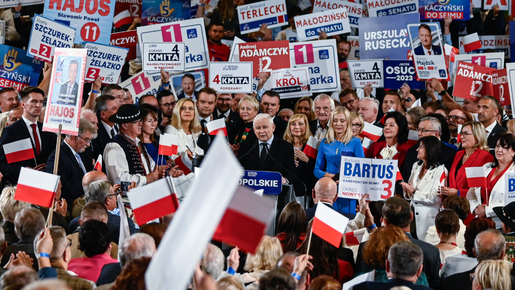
(291, 35)
(365, 175)
(167, 56)
(65, 91)
(230, 77)
(105, 62)
(13, 3)
(473, 81)
(46, 36)
(93, 20)
(191, 32)
(501, 87)
(503, 4)
(427, 48)
(355, 10)
(366, 72)
(510, 71)
(180, 83)
(385, 38)
(512, 37)
(235, 49)
(272, 13)
(134, 7)
(163, 11)
(321, 59)
(266, 56)
(290, 82)
(438, 10)
(333, 22)
(127, 39)
(399, 72)
(499, 43)
(493, 60)
(380, 8)
(142, 84)
(354, 47)
(18, 70)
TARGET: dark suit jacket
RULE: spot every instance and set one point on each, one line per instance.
(26, 245)
(280, 127)
(101, 141)
(494, 136)
(109, 273)
(113, 223)
(458, 281)
(70, 172)
(232, 123)
(459, 181)
(73, 96)
(419, 50)
(18, 131)
(391, 283)
(181, 95)
(448, 154)
(310, 212)
(279, 159)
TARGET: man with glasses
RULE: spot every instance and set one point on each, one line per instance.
(72, 162)
(323, 106)
(455, 118)
(116, 91)
(349, 100)
(167, 102)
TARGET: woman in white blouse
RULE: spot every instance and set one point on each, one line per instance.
(427, 176)
(185, 124)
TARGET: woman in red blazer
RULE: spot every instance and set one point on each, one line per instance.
(475, 154)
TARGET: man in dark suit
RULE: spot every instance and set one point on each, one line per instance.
(72, 163)
(403, 267)
(188, 88)
(426, 46)
(43, 143)
(105, 107)
(223, 110)
(323, 106)
(270, 104)
(69, 90)
(489, 109)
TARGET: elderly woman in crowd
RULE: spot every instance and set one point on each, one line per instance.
(248, 109)
(305, 106)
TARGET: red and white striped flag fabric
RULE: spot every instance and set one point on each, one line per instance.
(168, 144)
(153, 201)
(216, 126)
(356, 237)
(383, 119)
(366, 144)
(122, 18)
(98, 164)
(311, 148)
(36, 187)
(458, 139)
(245, 220)
(443, 178)
(184, 166)
(329, 225)
(371, 132)
(471, 42)
(412, 137)
(19, 151)
(398, 176)
(476, 176)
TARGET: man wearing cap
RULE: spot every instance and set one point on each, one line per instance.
(507, 216)
(125, 157)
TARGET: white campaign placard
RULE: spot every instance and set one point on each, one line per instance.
(13, 3)
(142, 84)
(290, 82)
(377, 8)
(355, 10)
(499, 43)
(354, 47)
(493, 60)
(235, 50)
(509, 197)
(46, 36)
(510, 69)
(252, 16)
(321, 59)
(365, 175)
(503, 4)
(230, 77)
(105, 62)
(366, 72)
(333, 22)
(163, 55)
(191, 32)
(427, 50)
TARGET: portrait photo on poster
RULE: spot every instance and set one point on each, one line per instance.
(427, 49)
(67, 80)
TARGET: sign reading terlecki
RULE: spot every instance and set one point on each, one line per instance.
(230, 77)
(252, 16)
(167, 56)
(47, 35)
(105, 62)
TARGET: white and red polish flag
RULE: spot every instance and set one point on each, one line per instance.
(245, 220)
(311, 148)
(371, 132)
(356, 237)
(476, 176)
(471, 42)
(329, 225)
(215, 126)
(152, 201)
(366, 144)
(443, 178)
(458, 139)
(19, 151)
(36, 187)
(122, 18)
(168, 144)
(412, 137)
(98, 164)
(398, 176)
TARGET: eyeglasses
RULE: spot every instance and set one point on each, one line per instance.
(70, 242)
(407, 100)
(187, 109)
(422, 130)
(356, 125)
(349, 102)
(85, 140)
(465, 134)
(455, 117)
(169, 104)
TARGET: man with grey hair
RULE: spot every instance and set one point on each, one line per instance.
(72, 162)
(18, 277)
(105, 107)
(323, 106)
(368, 109)
(213, 261)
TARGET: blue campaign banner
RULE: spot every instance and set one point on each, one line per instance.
(398, 72)
(512, 40)
(92, 20)
(162, 11)
(269, 181)
(18, 70)
(440, 9)
(387, 38)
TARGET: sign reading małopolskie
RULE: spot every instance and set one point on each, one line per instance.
(266, 56)
(391, 7)
(386, 37)
(355, 10)
(92, 19)
(252, 16)
(127, 39)
(499, 43)
(366, 72)
(428, 54)
(142, 84)
(65, 91)
(47, 35)
(191, 32)
(230, 77)
(167, 56)
(333, 22)
(290, 82)
(18, 70)
(438, 10)
(501, 86)
(320, 57)
(105, 62)
(398, 72)
(473, 81)
(365, 175)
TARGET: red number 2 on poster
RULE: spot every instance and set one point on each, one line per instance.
(266, 56)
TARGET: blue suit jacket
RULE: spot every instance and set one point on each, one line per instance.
(419, 50)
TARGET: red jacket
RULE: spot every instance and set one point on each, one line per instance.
(375, 149)
(459, 181)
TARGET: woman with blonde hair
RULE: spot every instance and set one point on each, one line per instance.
(9, 207)
(413, 116)
(492, 275)
(248, 109)
(305, 106)
(357, 124)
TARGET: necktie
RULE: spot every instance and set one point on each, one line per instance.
(112, 132)
(264, 153)
(116, 128)
(36, 138)
(222, 116)
(203, 124)
(80, 162)
(69, 89)
(429, 52)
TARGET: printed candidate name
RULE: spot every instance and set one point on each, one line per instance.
(263, 11)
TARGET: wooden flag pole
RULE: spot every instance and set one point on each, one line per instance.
(56, 167)
(309, 240)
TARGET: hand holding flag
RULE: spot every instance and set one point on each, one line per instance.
(311, 148)
(19, 151)
(36, 187)
(168, 144)
(215, 126)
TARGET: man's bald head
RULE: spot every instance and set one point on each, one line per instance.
(325, 190)
(92, 176)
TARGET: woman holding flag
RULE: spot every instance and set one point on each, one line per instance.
(148, 137)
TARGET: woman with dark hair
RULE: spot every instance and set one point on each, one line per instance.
(132, 276)
(292, 225)
(493, 196)
(423, 188)
(393, 144)
(447, 226)
(148, 136)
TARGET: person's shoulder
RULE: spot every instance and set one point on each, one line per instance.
(426, 247)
